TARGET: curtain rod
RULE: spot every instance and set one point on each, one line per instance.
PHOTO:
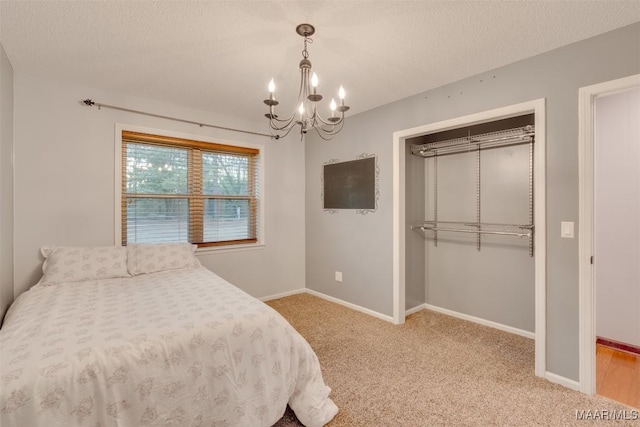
(90, 103)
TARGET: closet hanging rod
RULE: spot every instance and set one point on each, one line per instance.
(458, 230)
(476, 224)
(91, 103)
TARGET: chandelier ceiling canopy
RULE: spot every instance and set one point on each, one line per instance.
(306, 115)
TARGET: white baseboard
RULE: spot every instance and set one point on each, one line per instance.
(350, 305)
(282, 294)
(484, 322)
(563, 381)
(415, 309)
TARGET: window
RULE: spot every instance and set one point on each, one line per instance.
(179, 190)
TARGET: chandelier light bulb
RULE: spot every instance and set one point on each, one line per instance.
(301, 109)
(341, 93)
(271, 102)
(314, 80)
(333, 106)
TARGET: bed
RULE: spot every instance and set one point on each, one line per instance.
(158, 341)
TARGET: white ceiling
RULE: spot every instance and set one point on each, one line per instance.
(219, 55)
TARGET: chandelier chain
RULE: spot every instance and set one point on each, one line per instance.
(305, 53)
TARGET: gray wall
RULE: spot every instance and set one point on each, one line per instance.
(6, 182)
(65, 181)
(362, 246)
(357, 245)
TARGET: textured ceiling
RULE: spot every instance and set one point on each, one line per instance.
(220, 55)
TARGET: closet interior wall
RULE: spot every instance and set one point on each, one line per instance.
(493, 281)
(415, 248)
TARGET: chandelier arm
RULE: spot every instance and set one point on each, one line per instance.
(304, 89)
(303, 86)
(286, 133)
(316, 118)
(274, 120)
(302, 94)
(288, 125)
(323, 134)
(328, 134)
(328, 123)
(287, 120)
(335, 129)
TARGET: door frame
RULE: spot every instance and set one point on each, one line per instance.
(587, 312)
(538, 108)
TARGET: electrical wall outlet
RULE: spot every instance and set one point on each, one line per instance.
(338, 276)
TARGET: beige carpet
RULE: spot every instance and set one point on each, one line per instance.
(434, 370)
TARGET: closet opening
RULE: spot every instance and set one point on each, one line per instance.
(470, 220)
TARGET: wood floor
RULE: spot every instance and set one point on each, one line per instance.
(618, 375)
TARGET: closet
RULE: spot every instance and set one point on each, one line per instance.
(470, 205)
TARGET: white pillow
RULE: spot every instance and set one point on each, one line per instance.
(152, 257)
(75, 264)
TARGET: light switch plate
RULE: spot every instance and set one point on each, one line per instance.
(566, 229)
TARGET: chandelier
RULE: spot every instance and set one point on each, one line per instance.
(307, 115)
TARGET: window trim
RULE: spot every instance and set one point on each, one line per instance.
(159, 136)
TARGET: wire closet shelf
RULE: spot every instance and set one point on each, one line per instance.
(471, 144)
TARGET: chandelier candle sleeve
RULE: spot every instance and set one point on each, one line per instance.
(306, 116)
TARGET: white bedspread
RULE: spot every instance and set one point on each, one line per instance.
(180, 347)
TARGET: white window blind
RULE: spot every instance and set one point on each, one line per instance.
(178, 190)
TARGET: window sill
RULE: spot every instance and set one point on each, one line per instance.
(231, 248)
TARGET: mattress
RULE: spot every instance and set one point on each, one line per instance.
(177, 347)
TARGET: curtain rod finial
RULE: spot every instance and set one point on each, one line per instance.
(89, 102)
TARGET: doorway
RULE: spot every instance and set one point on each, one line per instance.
(400, 227)
(598, 225)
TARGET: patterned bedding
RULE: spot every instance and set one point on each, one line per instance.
(179, 347)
